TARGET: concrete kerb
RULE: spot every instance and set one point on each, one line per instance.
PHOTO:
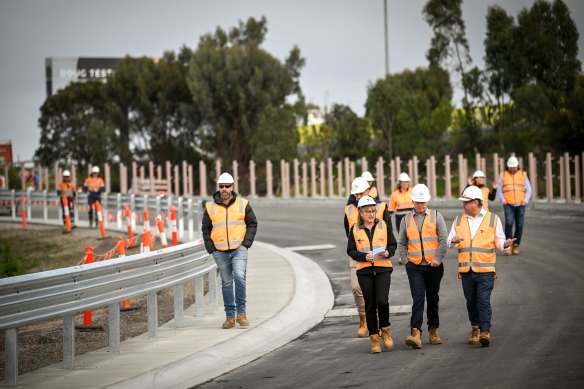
(302, 313)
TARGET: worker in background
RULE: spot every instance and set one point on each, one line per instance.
(400, 201)
(514, 191)
(371, 243)
(421, 245)
(66, 188)
(94, 187)
(229, 227)
(372, 190)
(479, 180)
(360, 188)
(477, 233)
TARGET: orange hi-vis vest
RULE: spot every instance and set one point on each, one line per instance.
(373, 192)
(229, 226)
(401, 201)
(422, 244)
(476, 254)
(94, 183)
(352, 213)
(514, 187)
(379, 241)
(66, 188)
(486, 192)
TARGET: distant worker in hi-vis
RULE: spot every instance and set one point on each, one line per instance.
(66, 189)
(229, 228)
(479, 180)
(514, 191)
(370, 179)
(400, 201)
(94, 187)
(477, 233)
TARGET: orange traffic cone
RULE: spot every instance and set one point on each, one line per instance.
(23, 211)
(100, 219)
(160, 226)
(128, 215)
(173, 225)
(67, 214)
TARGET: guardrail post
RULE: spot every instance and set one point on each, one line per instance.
(11, 350)
(152, 308)
(28, 205)
(69, 342)
(114, 328)
(190, 219)
(45, 206)
(119, 211)
(213, 284)
(181, 218)
(178, 306)
(13, 203)
(199, 297)
(133, 210)
(158, 206)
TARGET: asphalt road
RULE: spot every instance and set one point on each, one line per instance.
(538, 315)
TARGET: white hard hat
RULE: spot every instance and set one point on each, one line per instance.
(368, 176)
(404, 177)
(365, 201)
(472, 193)
(66, 173)
(420, 193)
(225, 178)
(479, 174)
(512, 161)
(359, 185)
(95, 169)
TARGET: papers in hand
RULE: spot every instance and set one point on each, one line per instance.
(376, 253)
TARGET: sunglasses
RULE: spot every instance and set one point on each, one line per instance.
(224, 186)
(467, 202)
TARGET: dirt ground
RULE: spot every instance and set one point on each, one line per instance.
(46, 248)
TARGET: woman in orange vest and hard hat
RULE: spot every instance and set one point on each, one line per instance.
(93, 186)
(477, 233)
(66, 189)
(400, 200)
(421, 245)
(371, 243)
(479, 180)
(372, 190)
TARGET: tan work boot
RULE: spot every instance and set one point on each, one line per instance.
(474, 336)
(362, 330)
(386, 336)
(485, 339)
(375, 347)
(433, 335)
(229, 323)
(515, 250)
(415, 339)
(242, 320)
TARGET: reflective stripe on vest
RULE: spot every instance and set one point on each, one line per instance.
(364, 246)
(477, 253)
(380, 207)
(229, 226)
(427, 247)
(514, 187)
(352, 214)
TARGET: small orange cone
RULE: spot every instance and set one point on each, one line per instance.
(67, 214)
(23, 211)
(160, 226)
(100, 219)
(173, 225)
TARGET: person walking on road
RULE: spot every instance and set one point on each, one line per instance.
(421, 245)
(479, 180)
(94, 187)
(371, 243)
(229, 227)
(514, 191)
(66, 189)
(360, 188)
(477, 233)
(372, 190)
(400, 200)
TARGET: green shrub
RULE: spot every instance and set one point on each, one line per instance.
(10, 264)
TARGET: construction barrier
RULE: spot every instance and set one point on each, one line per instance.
(100, 219)
(173, 225)
(66, 214)
(128, 215)
(23, 211)
(146, 244)
(160, 225)
(89, 256)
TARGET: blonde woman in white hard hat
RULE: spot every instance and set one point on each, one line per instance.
(421, 245)
(229, 227)
(400, 201)
(370, 179)
(371, 243)
(94, 187)
(479, 180)
(514, 191)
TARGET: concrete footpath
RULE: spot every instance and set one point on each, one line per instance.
(287, 295)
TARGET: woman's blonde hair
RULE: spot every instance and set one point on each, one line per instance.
(398, 186)
(359, 218)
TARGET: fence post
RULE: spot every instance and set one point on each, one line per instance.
(433, 189)
(29, 208)
(312, 177)
(461, 174)
(447, 178)
(168, 177)
(322, 179)
(252, 179)
(347, 175)
(235, 168)
(561, 178)
(304, 179)
(340, 178)
(549, 183)
(568, 177)
(13, 203)
(532, 163)
(296, 172)
(578, 193)
(269, 180)
(176, 181)
(364, 165)
(45, 206)
(185, 175)
(329, 166)
(190, 216)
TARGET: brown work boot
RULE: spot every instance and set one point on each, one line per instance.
(229, 323)
(485, 339)
(433, 335)
(375, 347)
(362, 330)
(474, 336)
(386, 336)
(242, 320)
(415, 339)
(515, 250)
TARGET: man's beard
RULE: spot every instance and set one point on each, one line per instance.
(225, 195)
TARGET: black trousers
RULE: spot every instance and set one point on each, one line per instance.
(375, 288)
(424, 285)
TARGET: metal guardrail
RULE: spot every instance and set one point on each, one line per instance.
(37, 297)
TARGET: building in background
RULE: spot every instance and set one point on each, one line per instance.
(5, 152)
(60, 72)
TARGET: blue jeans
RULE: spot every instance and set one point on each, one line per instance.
(424, 285)
(477, 289)
(232, 267)
(514, 215)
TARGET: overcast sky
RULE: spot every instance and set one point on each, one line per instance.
(341, 40)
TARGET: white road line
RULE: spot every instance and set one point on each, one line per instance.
(393, 310)
(309, 248)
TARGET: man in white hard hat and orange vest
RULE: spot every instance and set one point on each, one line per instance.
(477, 233)
(372, 190)
(514, 191)
(93, 186)
(421, 245)
(479, 180)
(229, 228)
(66, 189)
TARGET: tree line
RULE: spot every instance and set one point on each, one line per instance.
(231, 99)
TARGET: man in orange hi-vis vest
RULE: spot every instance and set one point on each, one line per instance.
(514, 191)
(66, 189)
(93, 186)
(477, 233)
(229, 227)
